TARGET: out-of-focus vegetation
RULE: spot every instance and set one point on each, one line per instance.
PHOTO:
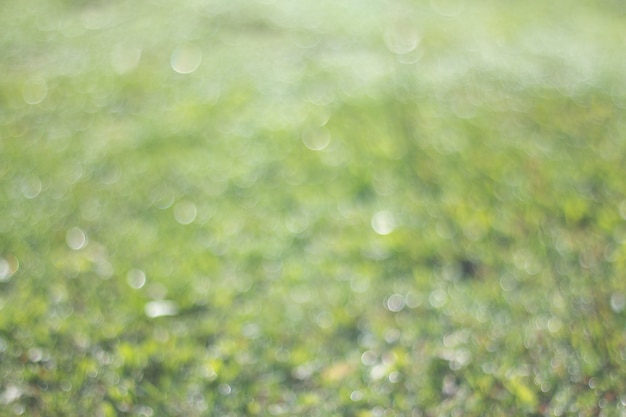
(369, 209)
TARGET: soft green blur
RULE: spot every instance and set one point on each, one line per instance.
(330, 208)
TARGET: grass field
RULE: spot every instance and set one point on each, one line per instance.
(368, 209)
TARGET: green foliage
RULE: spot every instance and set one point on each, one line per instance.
(317, 209)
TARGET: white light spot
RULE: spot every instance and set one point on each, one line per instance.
(378, 371)
(401, 41)
(160, 308)
(392, 335)
(394, 377)
(356, 396)
(618, 302)
(10, 394)
(136, 278)
(593, 382)
(303, 371)
(186, 59)
(8, 266)
(383, 222)
(224, 389)
(104, 268)
(75, 238)
(35, 91)
(438, 298)
(163, 198)
(251, 331)
(554, 324)
(297, 224)
(125, 58)
(208, 372)
(31, 187)
(4, 270)
(508, 282)
(369, 358)
(395, 303)
(316, 139)
(413, 300)
(185, 212)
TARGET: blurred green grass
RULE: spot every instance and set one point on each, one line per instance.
(253, 208)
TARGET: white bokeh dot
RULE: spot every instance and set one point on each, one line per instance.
(186, 59)
(75, 238)
(185, 212)
(383, 222)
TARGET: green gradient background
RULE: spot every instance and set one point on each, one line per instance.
(378, 208)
